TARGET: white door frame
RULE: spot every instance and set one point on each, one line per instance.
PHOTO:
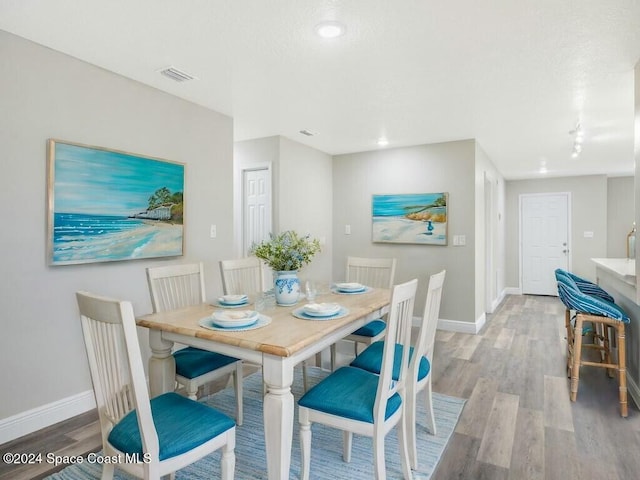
(569, 242)
(490, 292)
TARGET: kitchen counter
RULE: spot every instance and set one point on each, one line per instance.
(622, 268)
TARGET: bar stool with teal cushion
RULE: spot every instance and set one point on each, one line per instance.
(585, 286)
(597, 311)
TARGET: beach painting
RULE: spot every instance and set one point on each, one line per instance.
(106, 205)
(419, 218)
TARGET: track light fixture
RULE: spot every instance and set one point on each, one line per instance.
(578, 138)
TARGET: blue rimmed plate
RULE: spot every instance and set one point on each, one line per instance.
(262, 321)
(300, 313)
(337, 290)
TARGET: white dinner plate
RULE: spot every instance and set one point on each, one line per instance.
(234, 319)
(321, 309)
(300, 313)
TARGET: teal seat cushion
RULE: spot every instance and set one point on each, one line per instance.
(371, 360)
(581, 302)
(182, 425)
(371, 329)
(585, 286)
(193, 362)
(350, 393)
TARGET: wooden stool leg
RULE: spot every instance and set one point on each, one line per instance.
(567, 324)
(622, 369)
(577, 355)
(607, 348)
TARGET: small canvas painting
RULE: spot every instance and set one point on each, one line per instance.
(419, 218)
(106, 205)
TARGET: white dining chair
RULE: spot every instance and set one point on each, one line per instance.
(163, 434)
(420, 365)
(176, 286)
(246, 276)
(361, 402)
(242, 276)
(372, 272)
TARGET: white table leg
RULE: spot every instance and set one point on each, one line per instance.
(162, 366)
(278, 416)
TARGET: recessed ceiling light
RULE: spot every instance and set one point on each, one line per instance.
(330, 29)
(383, 142)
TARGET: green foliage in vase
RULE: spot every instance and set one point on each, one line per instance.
(287, 251)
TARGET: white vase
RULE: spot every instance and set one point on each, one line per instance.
(287, 287)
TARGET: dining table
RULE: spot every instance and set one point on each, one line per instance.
(278, 344)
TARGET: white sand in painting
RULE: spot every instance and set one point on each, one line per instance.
(167, 240)
(153, 239)
(402, 230)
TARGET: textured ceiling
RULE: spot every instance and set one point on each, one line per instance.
(515, 75)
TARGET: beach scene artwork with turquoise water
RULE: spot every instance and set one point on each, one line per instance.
(106, 205)
(410, 218)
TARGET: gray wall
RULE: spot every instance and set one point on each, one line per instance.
(444, 167)
(44, 94)
(620, 214)
(302, 192)
(588, 213)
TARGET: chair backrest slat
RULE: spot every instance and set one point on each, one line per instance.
(241, 276)
(176, 286)
(427, 332)
(398, 332)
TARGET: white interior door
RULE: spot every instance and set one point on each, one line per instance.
(256, 210)
(544, 233)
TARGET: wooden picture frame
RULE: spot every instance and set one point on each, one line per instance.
(107, 205)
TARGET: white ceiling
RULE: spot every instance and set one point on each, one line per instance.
(515, 75)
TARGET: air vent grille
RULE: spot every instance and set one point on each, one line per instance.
(307, 133)
(177, 75)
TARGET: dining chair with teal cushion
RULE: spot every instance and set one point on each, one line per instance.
(157, 436)
(182, 285)
(600, 313)
(375, 273)
(361, 402)
(420, 363)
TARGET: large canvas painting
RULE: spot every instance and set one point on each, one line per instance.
(105, 205)
(410, 218)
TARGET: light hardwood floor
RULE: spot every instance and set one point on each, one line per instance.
(518, 422)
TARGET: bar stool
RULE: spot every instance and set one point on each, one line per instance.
(600, 313)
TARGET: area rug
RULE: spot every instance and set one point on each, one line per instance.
(326, 443)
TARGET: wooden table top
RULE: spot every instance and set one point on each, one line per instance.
(284, 336)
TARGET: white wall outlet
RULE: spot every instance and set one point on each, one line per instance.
(347, 229)
(459, 240)
(213, 232)
(588, 234)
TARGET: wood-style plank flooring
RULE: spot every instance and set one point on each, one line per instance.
(518, 422)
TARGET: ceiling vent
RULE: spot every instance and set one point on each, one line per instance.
(307, 133)
(177, 75)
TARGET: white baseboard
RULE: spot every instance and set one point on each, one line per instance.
(462, 327)
(40, 417)
(513, 291)
(633, 390)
